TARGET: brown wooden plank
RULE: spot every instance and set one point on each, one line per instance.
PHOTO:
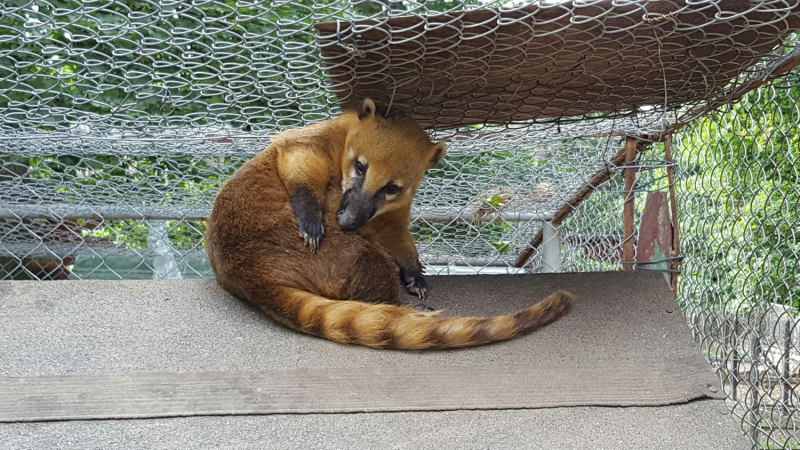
(372, 389)
(419, 62)
(628, 208)
(654, 243)
(655, 229)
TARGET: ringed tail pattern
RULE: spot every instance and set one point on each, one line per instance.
(405, 327)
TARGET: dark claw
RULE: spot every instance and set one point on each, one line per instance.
(415, 283)
(311, 234)
(421, 293)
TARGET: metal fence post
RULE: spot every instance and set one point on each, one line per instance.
(551, 250)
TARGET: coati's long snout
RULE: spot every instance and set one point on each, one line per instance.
(357, 208)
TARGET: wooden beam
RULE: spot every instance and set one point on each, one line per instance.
(628, 208)
(599, 178)
(604, 174)
(654, 240)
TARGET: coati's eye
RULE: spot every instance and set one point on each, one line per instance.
(392, 189)
(360, 168)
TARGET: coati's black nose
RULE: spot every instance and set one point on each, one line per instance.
(346, 220)
(357, 208)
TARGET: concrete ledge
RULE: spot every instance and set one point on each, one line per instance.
(102, 328)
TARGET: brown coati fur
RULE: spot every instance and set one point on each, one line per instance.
(343, 189)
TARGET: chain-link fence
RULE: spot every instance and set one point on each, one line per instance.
(740, 212)
(119, 120)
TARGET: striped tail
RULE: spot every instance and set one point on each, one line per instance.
(405, 327)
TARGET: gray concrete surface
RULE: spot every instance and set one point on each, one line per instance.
(693, 426)
(98, 327)
(103, 327)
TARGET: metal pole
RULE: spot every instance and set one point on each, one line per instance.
(676, 228)
(735, 361)
(787, 347)
(551, 250)
(755, 391)
(116, 213)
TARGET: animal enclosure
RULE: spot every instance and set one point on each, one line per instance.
(120, 120)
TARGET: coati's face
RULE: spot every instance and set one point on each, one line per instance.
(382, 165)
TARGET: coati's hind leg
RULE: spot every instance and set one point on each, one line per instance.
(391, 232)
(373, 278)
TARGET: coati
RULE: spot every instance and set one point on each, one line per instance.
(314, 230)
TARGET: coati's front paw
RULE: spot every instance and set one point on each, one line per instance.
(415, 283)
(309, 217)
(311, 232)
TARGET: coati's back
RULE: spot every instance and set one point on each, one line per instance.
(252, 204)
(253, 244)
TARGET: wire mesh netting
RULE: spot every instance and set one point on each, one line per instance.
(119, 121)
(740, 209)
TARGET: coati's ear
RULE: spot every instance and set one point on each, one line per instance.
(367, 109)
(438, 153)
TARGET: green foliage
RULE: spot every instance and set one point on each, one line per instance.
(189, 63)
(248, 65)
(741, 200)
(495, 201)
(255, 67)
(502, 247)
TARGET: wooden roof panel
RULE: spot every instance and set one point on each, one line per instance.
(552, 60)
